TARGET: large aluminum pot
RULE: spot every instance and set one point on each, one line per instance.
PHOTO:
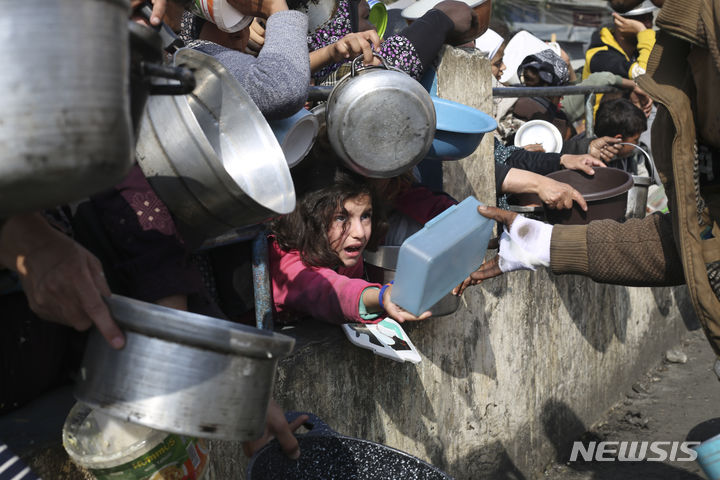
(183, 373)
(380, 121)
(65, 131)
(211, 156)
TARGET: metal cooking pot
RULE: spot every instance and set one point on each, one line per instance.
(386, 257)
(380, 121)
(66, 130)
(181, 372)
(211, 156)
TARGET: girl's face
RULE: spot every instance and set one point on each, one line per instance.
(350, 229)
(497, 66)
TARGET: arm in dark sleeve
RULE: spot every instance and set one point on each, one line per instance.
(538, 162)
(635, 253)
(427, 34)
(578, 145)
(610, 61)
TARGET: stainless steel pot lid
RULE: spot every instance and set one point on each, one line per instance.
(197, 330)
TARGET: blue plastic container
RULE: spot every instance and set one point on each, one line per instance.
(458, 131)
(436, 259)
(708, 455)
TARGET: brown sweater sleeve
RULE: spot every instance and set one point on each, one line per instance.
(634, 253)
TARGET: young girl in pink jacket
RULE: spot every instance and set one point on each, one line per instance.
(316, 260)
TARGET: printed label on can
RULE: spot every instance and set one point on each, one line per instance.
(176, 458)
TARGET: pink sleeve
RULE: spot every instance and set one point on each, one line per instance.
(319, 292)
(422, 204)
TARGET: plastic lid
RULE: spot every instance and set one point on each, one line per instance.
(539, 131)
(378, 16)
(95, 440)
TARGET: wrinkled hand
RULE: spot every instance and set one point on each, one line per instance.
(63, 282)
(559, 195)
(396, 312)
(627, 25)
(259, 8)
(524, 245)
(641, 100)
(605, 148)
(158, 10)
(583, 162)
(354, 44)
(276, 426)
(534, 147)
(465, 21)
(257, 37)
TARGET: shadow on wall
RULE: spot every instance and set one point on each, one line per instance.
(684, 304)
(562, 427)
(593, 306)
(491, 461)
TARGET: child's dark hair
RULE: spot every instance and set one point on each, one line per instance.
(619, 116)
(306, 228)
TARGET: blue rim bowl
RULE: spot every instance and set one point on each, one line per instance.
(458, 131)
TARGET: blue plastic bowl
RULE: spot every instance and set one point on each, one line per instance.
(458, 130)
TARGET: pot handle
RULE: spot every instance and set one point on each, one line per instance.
(654, 173)
(354, 68)
(170, 42)
(314, 424)
(181, 74)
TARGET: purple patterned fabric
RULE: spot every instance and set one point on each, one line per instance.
(397, 50)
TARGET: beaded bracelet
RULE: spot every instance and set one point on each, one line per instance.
(382, 293)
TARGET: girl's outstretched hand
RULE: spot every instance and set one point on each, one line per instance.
(396, 312)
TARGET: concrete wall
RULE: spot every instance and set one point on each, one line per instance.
(525, 365)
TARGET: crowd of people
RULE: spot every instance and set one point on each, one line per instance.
(50, 280)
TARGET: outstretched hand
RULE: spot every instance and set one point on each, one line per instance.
(397, 313)
(583, 162)
(63, 282)
(558, 195)
(276, 426)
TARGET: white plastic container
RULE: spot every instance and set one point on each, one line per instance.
(115, 449)
(437, 258)
(219, 12)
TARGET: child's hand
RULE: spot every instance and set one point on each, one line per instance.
(534, 147)
(257, 37)
(628, 25)
(604, 148)
(395, 312)
(584, 162)
(354, 44)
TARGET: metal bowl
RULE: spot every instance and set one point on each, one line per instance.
(211, 156)
(183, 373)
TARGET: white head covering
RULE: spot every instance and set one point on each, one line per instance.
(421, 7)
(489, 42)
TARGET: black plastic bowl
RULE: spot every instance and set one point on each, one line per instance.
(605, 192)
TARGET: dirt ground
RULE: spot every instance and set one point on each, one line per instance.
(674, 402)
